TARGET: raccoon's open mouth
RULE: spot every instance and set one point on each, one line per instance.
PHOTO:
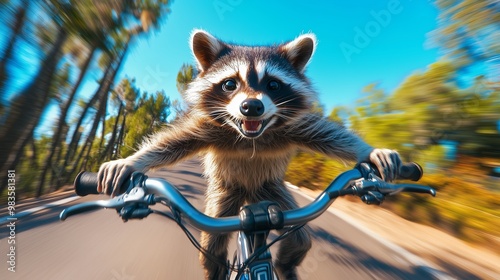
(253, 128)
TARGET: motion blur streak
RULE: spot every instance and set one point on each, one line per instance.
(65, 106)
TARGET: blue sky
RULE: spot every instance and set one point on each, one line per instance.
(360, 42)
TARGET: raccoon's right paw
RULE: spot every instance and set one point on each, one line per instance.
(113, 174)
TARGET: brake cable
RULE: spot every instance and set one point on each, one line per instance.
(263, 249)
(177, 219)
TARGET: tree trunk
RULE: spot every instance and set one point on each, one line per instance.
(103, 132)
(18, 156)
(90, 139)
(56, 139)
(73, 144)
(108, 152)
(59, 168)
(34, 152)
(27, 107)
(101, 111)
(104, 88)
(17, 28)
(120, 137)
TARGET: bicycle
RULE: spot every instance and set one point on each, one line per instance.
(252, 259)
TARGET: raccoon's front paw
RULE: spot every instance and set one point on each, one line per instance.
(113, 174)
(388, 163)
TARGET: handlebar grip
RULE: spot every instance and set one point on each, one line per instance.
(86, 183)
(408, 171)
(411, 171)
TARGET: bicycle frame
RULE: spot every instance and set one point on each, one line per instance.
(262, 267)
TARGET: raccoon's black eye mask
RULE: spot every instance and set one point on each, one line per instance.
(273, 75)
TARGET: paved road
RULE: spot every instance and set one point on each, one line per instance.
(98, 245)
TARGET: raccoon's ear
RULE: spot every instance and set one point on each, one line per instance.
(206, 48)
(300, 50)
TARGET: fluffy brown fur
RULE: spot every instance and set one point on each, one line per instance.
(247, 153)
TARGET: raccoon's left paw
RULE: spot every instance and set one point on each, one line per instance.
(388, 163)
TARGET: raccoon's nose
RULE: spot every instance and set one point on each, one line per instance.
(252, 107)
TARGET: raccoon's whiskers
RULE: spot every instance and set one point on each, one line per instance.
(218, 112)
(253, 148)
(286, 101)
(221, 115)
(284, 116)
(238, 138)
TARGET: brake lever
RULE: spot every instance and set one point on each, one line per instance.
(417, 189)
(373, 191)
(132, 204)
(128, 205)
(115, 203)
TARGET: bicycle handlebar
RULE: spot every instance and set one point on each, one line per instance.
(86, 182)
(155, 190)
(166, 192)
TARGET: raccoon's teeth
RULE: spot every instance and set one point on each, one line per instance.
(251, 126)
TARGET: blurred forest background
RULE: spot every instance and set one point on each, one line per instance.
(447, 117)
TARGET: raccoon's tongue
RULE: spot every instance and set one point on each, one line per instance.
(251, 125)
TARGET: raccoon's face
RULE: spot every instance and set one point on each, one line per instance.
(251, 89)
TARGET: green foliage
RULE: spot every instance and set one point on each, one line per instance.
(465, 209)
(318, 108)
(64, 35)
(149, 116)
(339, 114)
(127, 92)
(304, 170)
(27, 171)
(185, 75)
(61, 83)
(313, 170)
(429, 109)
(452, 131)
(468, 31)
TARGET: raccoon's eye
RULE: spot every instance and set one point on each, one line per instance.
(229, 85)
(273, 85)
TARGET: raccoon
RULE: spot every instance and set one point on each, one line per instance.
(249, 111)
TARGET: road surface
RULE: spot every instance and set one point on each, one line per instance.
(98, 245)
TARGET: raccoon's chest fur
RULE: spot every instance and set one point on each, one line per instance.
(240, 170)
